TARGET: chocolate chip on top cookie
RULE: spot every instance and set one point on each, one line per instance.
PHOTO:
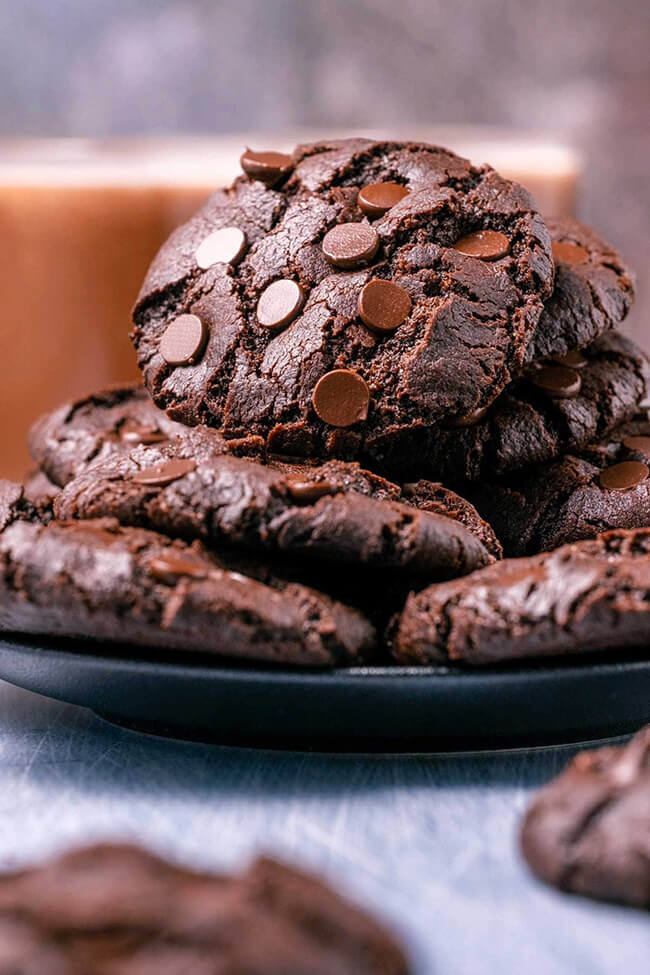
(588, 831)
(343, 296)
(593, 292)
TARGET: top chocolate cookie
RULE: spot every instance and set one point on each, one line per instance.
(354, 290)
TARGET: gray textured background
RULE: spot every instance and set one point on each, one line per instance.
(579, 70)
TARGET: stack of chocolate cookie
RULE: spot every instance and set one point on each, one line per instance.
(369, 368)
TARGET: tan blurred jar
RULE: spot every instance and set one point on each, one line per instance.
(80, 221)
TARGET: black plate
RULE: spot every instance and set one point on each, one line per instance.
(356, 709)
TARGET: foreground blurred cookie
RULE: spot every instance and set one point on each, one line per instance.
(606, 486)
(594, 595)
(552, 410)
(116, 909)
(593, 292)
(97, 580)
(333, 513)
(355, 290)
(588, 831)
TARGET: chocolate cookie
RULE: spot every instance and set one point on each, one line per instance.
(183, 488)
(551, 411)
(593, 292)
(97, 580)
(588, 831)
(370, 287)
(116, 909)
(606, 486)
(112, 421)
(593, 595)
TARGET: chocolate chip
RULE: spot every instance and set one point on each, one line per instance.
(622, 477)
(574, 359)
(306, 492)
(376, 198)
(169, 568)
(350, 245)
(560, 382)
(279, 304)
(163, 474)
(469, 419)
(341, 398)
(225, 246)
(488, 245)
(133, 433)
(269, 167)
(638, 445)
(383, 305)
(183, 341)
(569, 253)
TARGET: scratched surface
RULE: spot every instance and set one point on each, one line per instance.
(428, 841)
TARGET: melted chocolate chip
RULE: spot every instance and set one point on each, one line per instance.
(383, 305)
(134, 434)
(183, 341)
(559, 382)
(573, 359)
(168, 568)
(225, 246)
(350, 245)
(279, 304)
(269, 167)
(622, 477)
(341, 398)
(569, 253)
(163, 474)
(637, 445)
(470, 418)
(488, 245)
(306, 492)
(376, 198)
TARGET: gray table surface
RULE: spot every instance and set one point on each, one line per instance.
(427, 841)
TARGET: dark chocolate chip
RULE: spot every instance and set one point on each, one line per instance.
(183, 341)
(350, 245)
(168, 568)
(269, 167)
(569, 253)
(376, 198)
(163, 474)
(279, 304)
(224, 246)
(488, 245)
(638, 445)
(469, 419)
(306, 492)
(560, 382)
(341, 398)
(134, 434)
(622, 477)
(573, 359)
(383, 305)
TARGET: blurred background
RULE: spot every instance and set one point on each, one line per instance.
(576, 73)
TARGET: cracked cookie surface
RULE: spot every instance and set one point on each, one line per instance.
(536, 419)
(593, 291)
(578, 496)
(590, 596)
(335, 513)
(98, 580)
(588, 830)
(468, 264)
